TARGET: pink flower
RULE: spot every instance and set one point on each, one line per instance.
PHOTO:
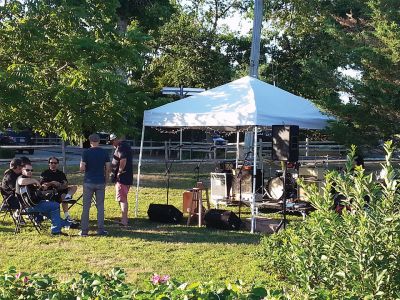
(18, 275)
(155, 279)
(164, 278)
(26, 279)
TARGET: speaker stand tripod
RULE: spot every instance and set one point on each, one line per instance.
(283, 221)
(240, 176)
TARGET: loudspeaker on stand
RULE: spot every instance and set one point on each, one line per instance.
(285, 143)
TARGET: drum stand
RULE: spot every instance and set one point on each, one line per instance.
(283, 222)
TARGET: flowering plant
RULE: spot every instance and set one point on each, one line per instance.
(21, 285)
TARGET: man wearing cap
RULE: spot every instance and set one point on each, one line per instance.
(95, 163)
(122, 174)
(8, 183)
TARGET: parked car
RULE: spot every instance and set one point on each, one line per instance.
(5, 139)
(21, 138)
(218, 140)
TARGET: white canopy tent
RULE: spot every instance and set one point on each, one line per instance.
(246, 103)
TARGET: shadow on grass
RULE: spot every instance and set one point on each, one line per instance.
(142, 228)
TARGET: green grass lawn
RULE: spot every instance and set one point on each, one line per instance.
(143, 248)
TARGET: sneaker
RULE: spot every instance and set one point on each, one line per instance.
(69, 219)
(102, 233)
(67, 199)
(83, 234)
(74, 225)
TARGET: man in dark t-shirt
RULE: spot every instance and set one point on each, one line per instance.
(122, 171)
(95, 163)
(53, 178)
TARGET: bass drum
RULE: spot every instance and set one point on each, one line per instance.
(275, 188)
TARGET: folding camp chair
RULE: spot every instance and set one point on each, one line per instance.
(6, 209)
(26, 202)
(76, 201)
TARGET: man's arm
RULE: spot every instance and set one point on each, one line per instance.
(107, 170)
(28, 181)
(82, 166)
(122, 164)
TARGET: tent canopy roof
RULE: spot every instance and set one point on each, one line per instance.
(241, 103)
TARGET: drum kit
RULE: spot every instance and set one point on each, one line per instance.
(274, 190)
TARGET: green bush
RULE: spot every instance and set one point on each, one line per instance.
(15, 285)
(352, 255)
(6, 153)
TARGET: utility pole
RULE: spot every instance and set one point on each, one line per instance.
(255, 43)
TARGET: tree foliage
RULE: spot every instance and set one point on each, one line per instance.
(63, 66)
(194, 50)
(312, 42)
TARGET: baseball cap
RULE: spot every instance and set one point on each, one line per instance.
(94, 138)
(112, 137)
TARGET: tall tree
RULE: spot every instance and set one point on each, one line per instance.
(194, 49)
(60, 67)
(313, 41)
(374, 107)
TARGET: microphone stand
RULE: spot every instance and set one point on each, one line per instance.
(197, 168)
(168, 172)
(240, 176)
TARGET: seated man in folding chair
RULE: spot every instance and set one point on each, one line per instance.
(11, 202)
(27, 187)
(53, 178)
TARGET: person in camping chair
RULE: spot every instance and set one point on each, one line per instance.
(53, 178)
(27, 188)
(8, 183)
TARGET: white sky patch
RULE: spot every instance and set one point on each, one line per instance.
(354, 74)
(237, 23)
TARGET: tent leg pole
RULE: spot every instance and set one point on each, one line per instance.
(138, 173)
(253, 201)
(237, 149)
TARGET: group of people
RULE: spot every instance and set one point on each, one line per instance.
(53, 184)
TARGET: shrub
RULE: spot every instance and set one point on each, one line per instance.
(352, 255)
(7, 153)
(15, 285)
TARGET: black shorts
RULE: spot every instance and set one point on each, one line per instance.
(57, 197)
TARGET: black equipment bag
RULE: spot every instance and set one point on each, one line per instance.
(222, 219)
(164, 213)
